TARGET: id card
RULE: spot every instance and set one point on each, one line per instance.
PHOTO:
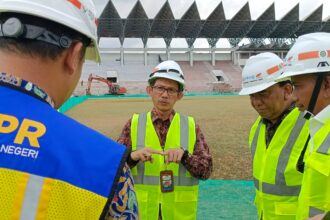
(166, 181)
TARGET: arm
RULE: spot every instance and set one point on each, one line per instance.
(199, 164)
(124, 204)
(125, 139)
(324, 216)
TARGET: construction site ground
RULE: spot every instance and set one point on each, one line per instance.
(225, 122)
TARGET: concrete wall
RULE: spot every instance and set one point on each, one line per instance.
(137, 57)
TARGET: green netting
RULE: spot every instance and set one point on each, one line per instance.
(210, 94)
(226, 199)
(73, 101)
(109, 96)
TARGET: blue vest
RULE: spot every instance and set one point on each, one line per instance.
(36, 139)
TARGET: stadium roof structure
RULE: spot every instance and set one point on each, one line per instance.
(190, 26)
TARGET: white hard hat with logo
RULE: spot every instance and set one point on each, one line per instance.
(260, 72)
(78, 15)
(309, 54)
(170, 70)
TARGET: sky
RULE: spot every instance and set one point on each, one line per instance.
(205, 7)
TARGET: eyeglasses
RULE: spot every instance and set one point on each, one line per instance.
(161, 90)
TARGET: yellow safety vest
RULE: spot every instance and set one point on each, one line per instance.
(182, 202)
(314, 198)
(58, 199)
(276, 178)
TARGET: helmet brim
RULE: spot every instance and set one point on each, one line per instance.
(60, 13)
(289, 74)
(255, 89)
(170, 75)
(93, 54)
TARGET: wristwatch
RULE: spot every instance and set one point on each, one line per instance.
(185, 155)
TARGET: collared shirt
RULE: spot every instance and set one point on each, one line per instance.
(124, 202)
(271, 128)
(317, 122)
(199, 164)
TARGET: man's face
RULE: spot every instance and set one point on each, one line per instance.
(270, 102)
(164, 94)
(303, 88)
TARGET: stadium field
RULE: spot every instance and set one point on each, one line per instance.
(224, 120)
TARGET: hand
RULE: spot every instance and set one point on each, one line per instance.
(173, 155)
(144, 154)
(317, 217)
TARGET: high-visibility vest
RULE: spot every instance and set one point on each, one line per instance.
(52, 167)
(314, 198)
(276, 178)
(182, 202)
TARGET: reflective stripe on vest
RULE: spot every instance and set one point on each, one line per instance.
(141, 133)
(280, 188)
(31, 197)
(180, 180)
(255, 140)
(324, 148)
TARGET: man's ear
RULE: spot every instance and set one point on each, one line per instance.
(326, 86)
(288, 89)
(149, 90)
(180, 95)
(73, 57)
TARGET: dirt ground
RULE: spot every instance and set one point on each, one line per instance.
(224, 120)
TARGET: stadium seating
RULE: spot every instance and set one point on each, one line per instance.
(201, 77)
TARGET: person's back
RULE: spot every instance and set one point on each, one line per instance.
(47, 169)
(52, 167)
(277, 138)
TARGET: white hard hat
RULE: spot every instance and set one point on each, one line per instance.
(78, 15)
(170, 70)
(260, 72)
(310, 54)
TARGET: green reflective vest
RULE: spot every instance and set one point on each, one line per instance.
(314, 198)
(182, 202)
(276, 178)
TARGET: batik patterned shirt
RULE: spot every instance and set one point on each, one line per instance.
(124, 204)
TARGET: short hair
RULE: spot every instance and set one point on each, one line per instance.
(37, 48)
(283, 83)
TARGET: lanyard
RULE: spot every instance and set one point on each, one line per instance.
(26, 86)
(163, 147)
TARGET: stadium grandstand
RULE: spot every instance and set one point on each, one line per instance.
(208, 70)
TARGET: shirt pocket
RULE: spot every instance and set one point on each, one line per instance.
(286, 208)
(320, 163)
(186, 196)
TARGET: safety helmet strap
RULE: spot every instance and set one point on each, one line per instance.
(314, 96)
(13, 27)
